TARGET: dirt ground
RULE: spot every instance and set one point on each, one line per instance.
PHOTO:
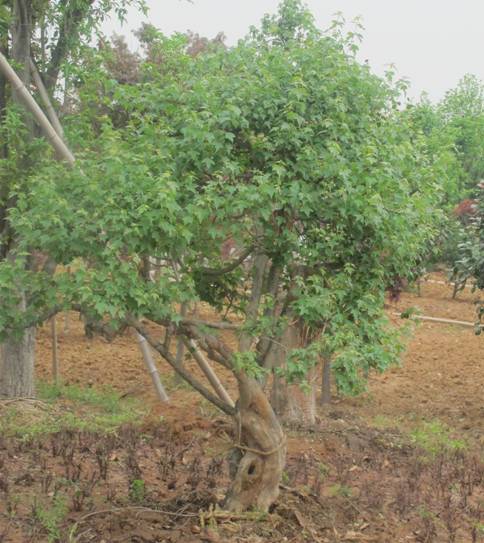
(354, 476)
(441, 375)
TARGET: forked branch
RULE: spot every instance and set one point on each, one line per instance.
(185, 374)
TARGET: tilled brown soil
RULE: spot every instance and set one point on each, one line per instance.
(355, 476)
(160, 484)
(442, 371)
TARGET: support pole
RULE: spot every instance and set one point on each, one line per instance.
(32, 106)
(150, 365)
(326, 382)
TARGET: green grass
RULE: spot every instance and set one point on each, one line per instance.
(69, 407)
(137, 491)
(433, 436)
(106, 398)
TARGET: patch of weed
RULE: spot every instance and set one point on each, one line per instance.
(51, 517)
(137, 491)
(341, 490)
(434, 438)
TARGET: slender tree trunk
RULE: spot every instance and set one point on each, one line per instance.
(3, 155)
(17, 357)
(18, 352)
(3, 101)
(180, 346)
(261, 449)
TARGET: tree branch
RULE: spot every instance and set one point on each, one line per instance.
(209, 324)
(215, 272)
(260, 264)
(208, 371)
(74, 13)
(159, 347)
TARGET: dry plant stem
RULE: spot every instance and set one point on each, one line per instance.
(136, 508)
(208, 371)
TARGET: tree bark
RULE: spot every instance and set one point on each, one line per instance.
(17, 357)
(3, 101)
(261, 447)
(291, 403)
(18, 352)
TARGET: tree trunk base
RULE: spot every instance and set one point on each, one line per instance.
(262, 447)
(17, 357)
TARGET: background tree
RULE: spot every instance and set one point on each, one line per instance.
(469, 264)
(454, 131)
(51, 34)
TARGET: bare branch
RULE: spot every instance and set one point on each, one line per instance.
(260, 264)
(215, 272)
(209, 324)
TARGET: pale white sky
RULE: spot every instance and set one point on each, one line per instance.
(431, 42)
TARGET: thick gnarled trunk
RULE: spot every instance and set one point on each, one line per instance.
(262, 446)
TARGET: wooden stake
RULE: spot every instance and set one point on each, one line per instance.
(55, 360)
(326, 382)
(151, 367)
(66, 322)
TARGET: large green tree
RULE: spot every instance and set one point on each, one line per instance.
(283, 146)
